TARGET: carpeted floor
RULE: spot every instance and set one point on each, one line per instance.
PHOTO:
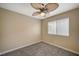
(40, 49)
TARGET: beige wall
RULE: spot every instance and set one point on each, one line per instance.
(71, 42)
(18, 30)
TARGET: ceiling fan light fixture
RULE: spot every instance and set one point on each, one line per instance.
(42, 14)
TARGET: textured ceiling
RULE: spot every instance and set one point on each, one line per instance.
(26, 8)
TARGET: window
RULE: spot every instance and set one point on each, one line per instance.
(59, 27)
(52, 27)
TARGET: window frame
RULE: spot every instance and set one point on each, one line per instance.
(56, 27)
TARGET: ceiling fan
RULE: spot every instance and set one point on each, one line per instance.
(43, 8)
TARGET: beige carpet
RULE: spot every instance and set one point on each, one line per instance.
(40, 49)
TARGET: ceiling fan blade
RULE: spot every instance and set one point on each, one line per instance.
(51, 6)
(37, 5)
(36, 13)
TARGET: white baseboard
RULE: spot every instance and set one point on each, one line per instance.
(62, 47)
(18, 48)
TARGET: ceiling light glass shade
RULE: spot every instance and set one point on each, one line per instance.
(42, 14)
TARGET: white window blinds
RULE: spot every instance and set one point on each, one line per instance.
(59, 27)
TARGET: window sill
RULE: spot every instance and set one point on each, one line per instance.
(59, 35)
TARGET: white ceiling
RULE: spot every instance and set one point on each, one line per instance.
(26, 8)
